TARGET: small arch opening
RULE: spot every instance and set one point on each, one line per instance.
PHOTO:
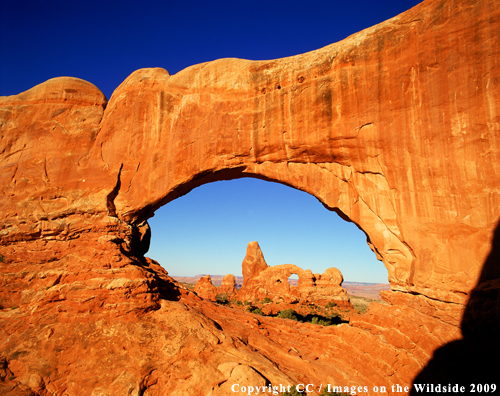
(293, 281)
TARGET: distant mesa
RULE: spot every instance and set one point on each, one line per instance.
(261, 281)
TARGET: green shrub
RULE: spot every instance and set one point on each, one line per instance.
(287, 314)
(322, 321)
(257, 311)
(238, 303)
(2, 258)
(222, 299)
(267, 300)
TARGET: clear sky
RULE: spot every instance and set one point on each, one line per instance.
(207, 230)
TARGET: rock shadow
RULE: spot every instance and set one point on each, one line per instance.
(472, 361)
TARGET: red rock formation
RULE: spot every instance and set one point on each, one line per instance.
(395, 128)
(262, 281)
(205, 289)
(254, 262)
(228, 286)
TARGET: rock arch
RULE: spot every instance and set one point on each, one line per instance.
(261, 281)
(392, 130)
(245, 138)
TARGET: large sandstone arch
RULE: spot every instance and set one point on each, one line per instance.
(245, 139)
(396, 128)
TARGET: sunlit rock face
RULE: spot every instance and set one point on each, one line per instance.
(228, 286)
(205, 289)
(396, 128)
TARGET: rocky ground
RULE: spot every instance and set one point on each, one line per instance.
(360, 305)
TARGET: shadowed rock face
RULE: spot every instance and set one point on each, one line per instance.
(395, 128)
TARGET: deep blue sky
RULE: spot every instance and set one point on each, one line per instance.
(105, 41)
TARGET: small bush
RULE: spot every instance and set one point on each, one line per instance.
(222, 299)
(257, 311)
(267, 300)
(2, 258)
(238, 303)
(288, 314)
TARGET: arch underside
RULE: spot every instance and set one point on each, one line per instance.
(391, 250)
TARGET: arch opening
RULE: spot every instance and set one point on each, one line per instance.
(293, 281)
(207, 230)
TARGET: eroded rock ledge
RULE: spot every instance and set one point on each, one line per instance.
(396, 128)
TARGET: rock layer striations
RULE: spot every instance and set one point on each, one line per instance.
(396, 128)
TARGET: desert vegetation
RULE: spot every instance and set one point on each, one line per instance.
(222, 299)
(331, 319)
(327, 315)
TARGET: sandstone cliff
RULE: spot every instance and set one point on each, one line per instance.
(396, 128)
